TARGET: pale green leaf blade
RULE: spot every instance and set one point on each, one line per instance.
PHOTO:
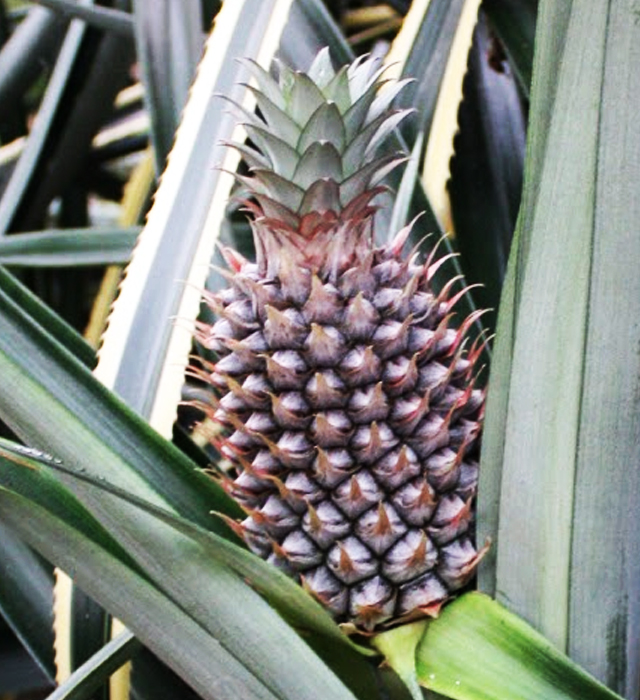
(144, 352)
(555, 18)
(399, 646)
(565, 419)
(68, 247)
(311, 19)
(423, 58)
(477, 650)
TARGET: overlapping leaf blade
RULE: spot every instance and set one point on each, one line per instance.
(49, 380)
(67, 121)
(562, 420)
(201, 583)
(158, 622)
(96, 670)
(50, 322)
(144, 353)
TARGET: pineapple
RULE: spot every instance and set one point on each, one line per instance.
(348, 402)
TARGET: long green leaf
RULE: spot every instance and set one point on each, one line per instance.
(554, 17)
(477, 650)
(281, 591)
(143, 353)
(24, 477)
(68, 247)
(107, 439)
(565, 413)
(204, 588)
(491, 142)
(200, 659)
(426, 62)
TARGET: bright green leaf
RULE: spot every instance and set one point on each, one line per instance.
(477, 650)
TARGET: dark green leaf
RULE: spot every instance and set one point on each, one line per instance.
(32, 46)
(160, 624)
(90, 70)
(515, 24)
(280, 590)
(108, 439)
(51, 324)
(202, 586)
(486, 171)
(26, 598)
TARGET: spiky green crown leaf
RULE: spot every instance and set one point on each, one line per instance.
(313, 159)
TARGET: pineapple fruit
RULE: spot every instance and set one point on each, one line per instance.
(348, 403)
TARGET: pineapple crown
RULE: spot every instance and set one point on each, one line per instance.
(313, 167)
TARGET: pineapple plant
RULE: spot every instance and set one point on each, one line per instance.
(214, 624)
(345, 390)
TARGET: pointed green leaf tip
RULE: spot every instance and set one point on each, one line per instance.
(478, 650)
(398, 646)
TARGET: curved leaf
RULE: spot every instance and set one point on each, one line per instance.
(282, 592)
(487, 170)
(198, 657)
(108, 439)
(477, 650)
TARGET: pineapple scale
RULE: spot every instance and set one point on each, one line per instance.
(353, 425)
